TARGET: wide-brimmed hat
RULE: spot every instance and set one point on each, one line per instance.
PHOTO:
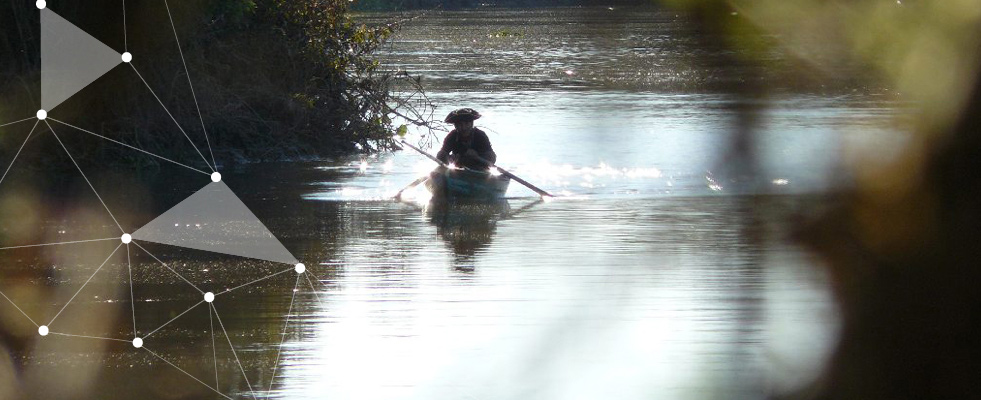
(463, 114)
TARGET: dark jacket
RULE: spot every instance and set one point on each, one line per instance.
(455, 147)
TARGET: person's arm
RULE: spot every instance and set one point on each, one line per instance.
(484, 149)
(444, 152)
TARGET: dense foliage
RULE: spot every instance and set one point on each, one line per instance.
(275, 79)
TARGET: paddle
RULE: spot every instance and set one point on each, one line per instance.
(421, 179)
(490, 164)
(411, 185)
(515, 177)
(442, 164)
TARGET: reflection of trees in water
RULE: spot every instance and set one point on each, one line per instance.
(40, 280)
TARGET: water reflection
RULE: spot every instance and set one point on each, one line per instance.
(672, 298)
(468, 227)
(642, 282)
(658, 297)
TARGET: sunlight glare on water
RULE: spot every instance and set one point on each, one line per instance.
(665, 268)
(657, 272)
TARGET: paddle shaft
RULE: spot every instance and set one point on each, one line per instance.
(515, 177)
(411, 185)
(481, 159)
(442, 164)
(421, 179)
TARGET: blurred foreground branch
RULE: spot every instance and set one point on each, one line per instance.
(900, 244)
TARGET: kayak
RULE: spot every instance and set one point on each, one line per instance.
(446, 183)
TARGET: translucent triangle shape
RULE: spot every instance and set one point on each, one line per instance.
(70, 59)
(215, 220)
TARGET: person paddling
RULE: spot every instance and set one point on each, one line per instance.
(465, 143)
(470, 148)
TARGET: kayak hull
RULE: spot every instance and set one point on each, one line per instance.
(451, 184)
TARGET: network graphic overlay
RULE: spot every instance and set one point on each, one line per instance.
(213, 219)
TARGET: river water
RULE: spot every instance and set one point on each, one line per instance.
(650, 275)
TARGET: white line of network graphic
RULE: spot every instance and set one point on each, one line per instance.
(71, 59)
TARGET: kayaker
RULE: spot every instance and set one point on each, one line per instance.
(465, 143)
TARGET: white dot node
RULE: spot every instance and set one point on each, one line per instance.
(41, 115)
(209, 297)
(137, 343)
(127, 57)
(41, 4)
(126, 238)
(42, 330)
(300, 268)
(216, 177)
